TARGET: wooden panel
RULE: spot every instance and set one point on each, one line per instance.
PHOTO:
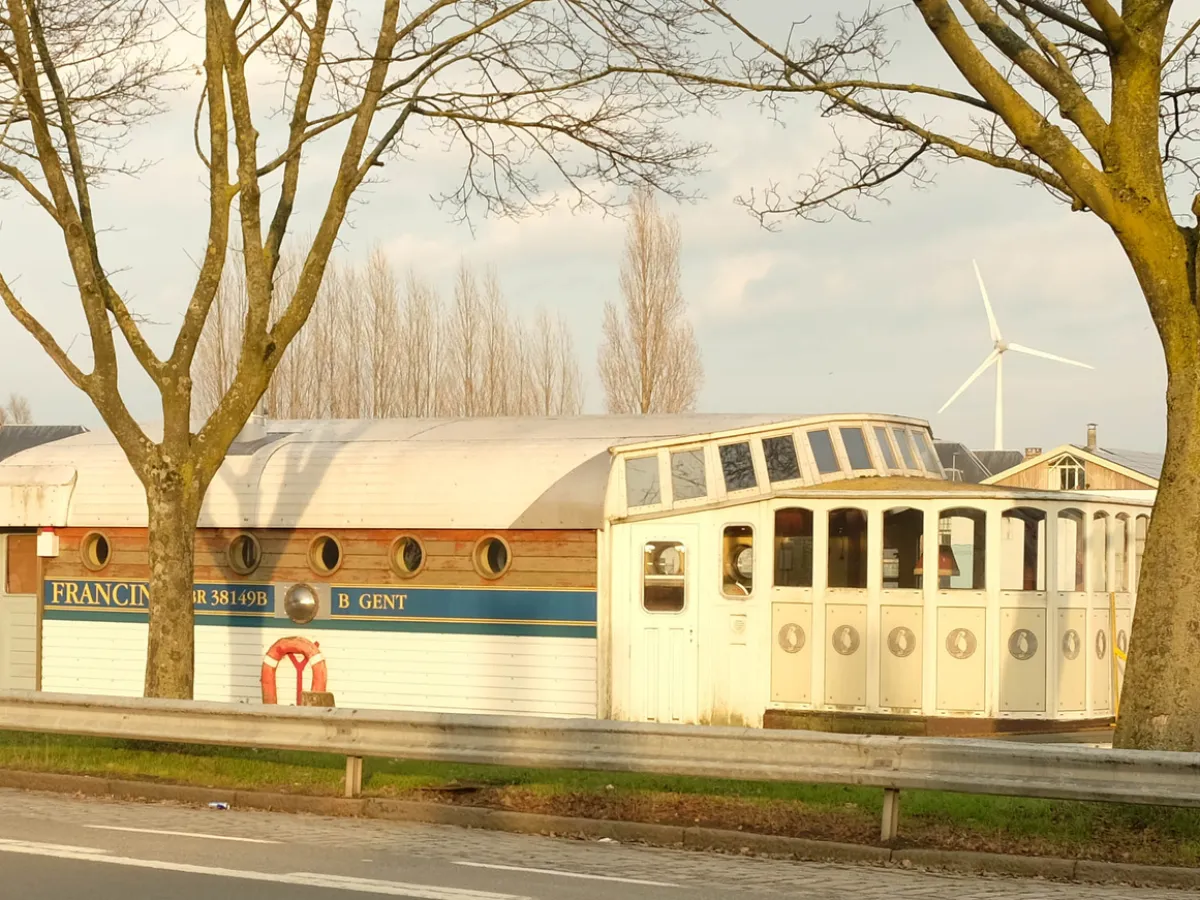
(1099, 478)
(20, 564)
(540, 559)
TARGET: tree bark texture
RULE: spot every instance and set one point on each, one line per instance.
(173, 512)
(1160, 701)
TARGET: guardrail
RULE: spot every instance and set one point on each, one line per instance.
(894, 764)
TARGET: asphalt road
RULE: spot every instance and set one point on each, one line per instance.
(55, 848)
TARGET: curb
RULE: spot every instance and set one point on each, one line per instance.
(691, 838)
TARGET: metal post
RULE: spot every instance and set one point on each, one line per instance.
(354, 769)
(891, 815)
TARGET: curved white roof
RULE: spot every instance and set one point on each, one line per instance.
(411, 473)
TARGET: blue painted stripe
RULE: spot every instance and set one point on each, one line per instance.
(500, 611)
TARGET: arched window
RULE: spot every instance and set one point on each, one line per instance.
(1072, 549)
(1023, 550)
(903, 534)
(793, 547)
(1140, 526)
(847, 548)
(962, 549)
(1067, 474)
(1098, 550)
(1121, 552)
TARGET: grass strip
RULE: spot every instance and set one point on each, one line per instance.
(1113, 832)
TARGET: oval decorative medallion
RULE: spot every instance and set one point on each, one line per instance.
(845, 640)
(901, 641)
(961, 643)
(791, 637)
(1023, 644)
(1071, 644)
(1101, 644)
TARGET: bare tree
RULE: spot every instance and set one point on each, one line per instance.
(385, 336)
(513, 85)
(17, 411)
(649, 358)
(555, 381)
(1101, 109)
(420, 356)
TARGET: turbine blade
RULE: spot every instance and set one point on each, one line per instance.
(993, 328)
(991, 358)
(1044, 355)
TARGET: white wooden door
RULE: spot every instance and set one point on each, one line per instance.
(18, 613)
(664, 643)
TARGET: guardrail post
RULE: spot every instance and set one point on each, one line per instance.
(891, 815)
(353, 776)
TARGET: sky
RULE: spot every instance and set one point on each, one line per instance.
(875, 316)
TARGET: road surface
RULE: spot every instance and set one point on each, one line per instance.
(56, 848)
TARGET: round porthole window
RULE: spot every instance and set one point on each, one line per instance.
(408, 556)
(324, 554)
(244, 554)
(492, 557)
(95, 551)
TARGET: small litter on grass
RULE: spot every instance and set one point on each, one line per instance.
(606, 841)
(218, 805)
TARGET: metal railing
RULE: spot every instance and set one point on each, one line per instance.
(893, 764)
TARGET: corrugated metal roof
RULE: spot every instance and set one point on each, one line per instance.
(15, 438)
(416, 473)
(1145, 462)
(423, 473)
(960, 463)
(997, 461)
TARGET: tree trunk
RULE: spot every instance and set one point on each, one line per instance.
(1160, 703)
(171, 650)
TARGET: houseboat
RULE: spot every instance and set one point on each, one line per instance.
(768, 570)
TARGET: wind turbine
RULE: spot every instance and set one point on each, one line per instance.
(996, 358)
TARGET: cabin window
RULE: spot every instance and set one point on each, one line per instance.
(1023, 550)
(641, 481)
(1100, 542)
(847, 548)
(885, 447)
(407, 555)
(906, 450)
(1072, 549)
(738, 466)
(688, 481)
(903, 540)
(1140, 526)
(663, 577)
(1121, 552)
(856, 448)
(782, 463)
(20, 564)
(925, 448)
(1067, 474)
(325, 554)
(962, 549)
(95, 552)
(737, 553)
(823, 453)
(492, 557)
(793, 547)
(243, 553)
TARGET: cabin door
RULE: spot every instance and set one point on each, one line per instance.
(663, 640)
(18, 612)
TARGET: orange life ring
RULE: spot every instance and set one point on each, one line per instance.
(302, 652)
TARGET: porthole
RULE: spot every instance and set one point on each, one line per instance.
(407, 556)
(244, 553)
(492, 557)
(95, 551)
(324, 554)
